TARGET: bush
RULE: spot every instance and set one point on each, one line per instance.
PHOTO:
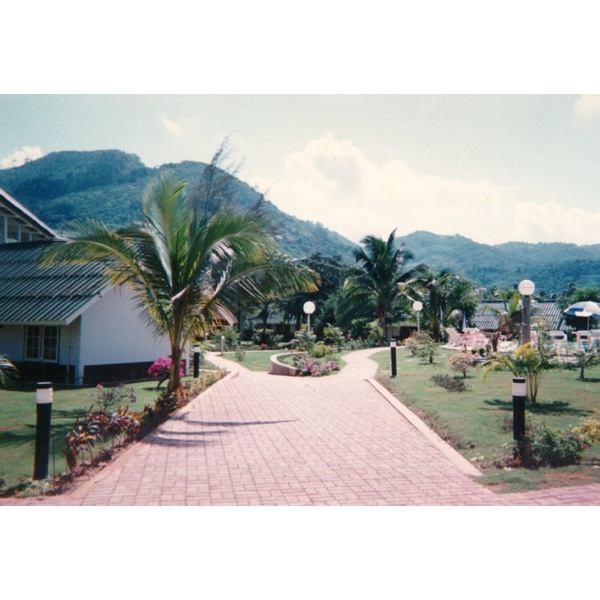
(161, 369)
(313, 367)
(333, 336)
(421, 345)
(546, 446)
(322, 351)
(452, 384)
(460, 362)
(303, 341)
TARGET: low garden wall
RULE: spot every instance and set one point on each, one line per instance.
(280, 368)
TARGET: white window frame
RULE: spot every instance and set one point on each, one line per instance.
(40, 350)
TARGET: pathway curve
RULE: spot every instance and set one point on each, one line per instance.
(259, 439)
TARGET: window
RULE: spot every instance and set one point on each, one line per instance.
(41, 343)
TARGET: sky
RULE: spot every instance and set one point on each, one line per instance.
(490, 167)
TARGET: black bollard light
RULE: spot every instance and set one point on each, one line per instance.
(519, 394)
(43, 402)
(196, 363)
(393, 351)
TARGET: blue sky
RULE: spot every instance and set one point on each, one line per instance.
(493, 168)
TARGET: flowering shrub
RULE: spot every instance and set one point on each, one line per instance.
(310, 366)
(460, 362)
(161, 370)
(588, 430)
(546, 446)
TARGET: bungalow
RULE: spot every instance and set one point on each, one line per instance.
(487, 317)
(65, 323)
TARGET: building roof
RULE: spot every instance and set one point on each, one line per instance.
(488, 313)
(56, 295)
(20, 225)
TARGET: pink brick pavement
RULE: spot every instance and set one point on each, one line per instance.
(259, 439)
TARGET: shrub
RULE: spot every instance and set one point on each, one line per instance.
(421, 345)
(546, 446)
(303, 341)
(460, 362)
(310, 366)
(161, 370)
(333, 336)
(452, 384)
(588, 430)
(322, 351)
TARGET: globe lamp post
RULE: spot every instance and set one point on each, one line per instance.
(418, 307)
(309, 308)
(526, 289)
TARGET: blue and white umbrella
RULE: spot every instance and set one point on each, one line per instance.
(583, 309)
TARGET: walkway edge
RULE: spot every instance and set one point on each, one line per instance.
(455, 457)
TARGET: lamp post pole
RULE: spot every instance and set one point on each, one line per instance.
(526, 289)
(418, 307)
(309, 308)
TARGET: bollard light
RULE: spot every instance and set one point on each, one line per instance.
(43, 403)
(519, 395)
(393, 345)
(196, 362)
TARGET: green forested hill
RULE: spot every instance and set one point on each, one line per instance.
(108, 185)
(552, 266)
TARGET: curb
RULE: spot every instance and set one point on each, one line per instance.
(455, 457)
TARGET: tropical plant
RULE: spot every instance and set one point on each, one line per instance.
(7, 371)
(377, 279)
(586, 357)
(187, 268)
(527, 361)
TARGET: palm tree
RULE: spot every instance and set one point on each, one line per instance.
(187, 269)
(378, 278)
(7, 370)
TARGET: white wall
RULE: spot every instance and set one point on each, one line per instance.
(112, 332)
(12, 338)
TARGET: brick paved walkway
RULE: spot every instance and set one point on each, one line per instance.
(259, 439)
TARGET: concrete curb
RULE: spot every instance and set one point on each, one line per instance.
(457, 459)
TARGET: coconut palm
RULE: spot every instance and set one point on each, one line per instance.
(378, 278)
(187, 269)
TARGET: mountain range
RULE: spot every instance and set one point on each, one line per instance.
(107, 185)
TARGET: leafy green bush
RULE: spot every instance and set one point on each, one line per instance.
(546, 446)
(333, 336)
(452, 384)
(421, 345)
(303, 341)
(322, 351)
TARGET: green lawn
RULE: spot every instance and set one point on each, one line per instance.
(260, 360)
(255, 360)
(478, 422)
(18, 424)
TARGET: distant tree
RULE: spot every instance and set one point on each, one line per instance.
(377, 279)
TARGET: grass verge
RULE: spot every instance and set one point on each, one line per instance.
(478, 421)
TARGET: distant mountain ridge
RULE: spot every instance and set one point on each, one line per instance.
(108, 184)
(552, 266)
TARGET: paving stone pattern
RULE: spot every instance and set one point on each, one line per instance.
(259, 439)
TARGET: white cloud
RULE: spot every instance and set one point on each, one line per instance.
(332, 181)
(20, 157)
(173, 127)
(587, 105)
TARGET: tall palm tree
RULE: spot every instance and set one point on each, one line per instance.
(188, 269)
(378, 277)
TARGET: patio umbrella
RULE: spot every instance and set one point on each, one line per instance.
(583, 309)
